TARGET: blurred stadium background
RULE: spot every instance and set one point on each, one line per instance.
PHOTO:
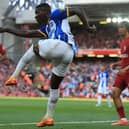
(94, 49)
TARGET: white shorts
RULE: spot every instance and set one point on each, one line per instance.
(103, 90)
(58, 52)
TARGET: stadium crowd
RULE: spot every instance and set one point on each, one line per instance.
(104, 38)
(80, 81)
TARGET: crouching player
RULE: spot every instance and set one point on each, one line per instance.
(60, 48)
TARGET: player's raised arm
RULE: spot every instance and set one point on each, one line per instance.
(23, 33)
(71, 12)
(116, 64)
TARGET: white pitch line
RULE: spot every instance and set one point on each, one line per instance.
(58, 123)
(14, 124)
(84, 122)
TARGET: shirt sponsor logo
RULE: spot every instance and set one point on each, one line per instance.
(124, 56)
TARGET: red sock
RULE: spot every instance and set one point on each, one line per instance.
(121, 112)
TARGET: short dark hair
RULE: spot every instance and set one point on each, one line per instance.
(125, 24)
(44, 6)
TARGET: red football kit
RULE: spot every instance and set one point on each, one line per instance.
(122, 81)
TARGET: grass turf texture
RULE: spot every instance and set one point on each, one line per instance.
(70, 114)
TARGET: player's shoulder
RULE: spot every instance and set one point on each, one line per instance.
(57, 13)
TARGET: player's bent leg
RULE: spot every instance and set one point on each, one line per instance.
(23, 61)
(119, 107)
(26, 58)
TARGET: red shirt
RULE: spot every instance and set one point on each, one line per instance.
(124, 47)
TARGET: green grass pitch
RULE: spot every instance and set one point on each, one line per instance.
(24, 113)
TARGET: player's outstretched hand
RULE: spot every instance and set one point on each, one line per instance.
(112, 66)
(115, 66)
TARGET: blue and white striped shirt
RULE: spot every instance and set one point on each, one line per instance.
(59, 28)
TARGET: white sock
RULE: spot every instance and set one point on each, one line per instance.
(109, 100)
(99, 99)
(53, 98)
(124, 118)
(23, 61)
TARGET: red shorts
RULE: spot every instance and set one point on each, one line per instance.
(122, 81)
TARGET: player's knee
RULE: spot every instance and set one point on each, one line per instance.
(25, 60)
(36, 49)
(54, 99)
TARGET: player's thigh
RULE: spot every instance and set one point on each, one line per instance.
(45, 47)
(120, 82)
(119, 85)
(61, 65)
(62, 51)
(52, 48)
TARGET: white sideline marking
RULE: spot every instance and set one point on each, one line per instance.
(59, 123)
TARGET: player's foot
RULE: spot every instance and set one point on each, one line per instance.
(46, 122)
(121, 123)
(11, 81)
